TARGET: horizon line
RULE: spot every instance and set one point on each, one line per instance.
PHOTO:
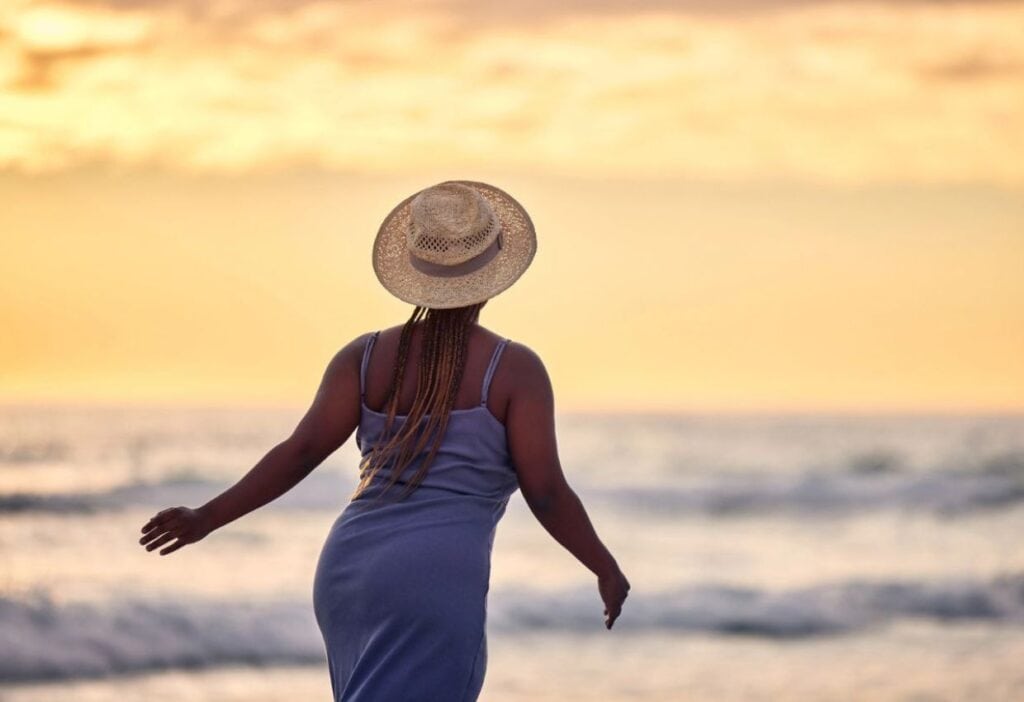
(637, 411)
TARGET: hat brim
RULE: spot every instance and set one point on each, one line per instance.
(397, 274)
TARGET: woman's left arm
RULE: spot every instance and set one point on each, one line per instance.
(329, 422)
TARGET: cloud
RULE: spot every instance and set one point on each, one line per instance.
(40, 38)
(837, 92)
(975, 67)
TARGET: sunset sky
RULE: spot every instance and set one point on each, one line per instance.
(740, 205)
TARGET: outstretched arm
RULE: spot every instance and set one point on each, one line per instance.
(531, 430)
(330, 420)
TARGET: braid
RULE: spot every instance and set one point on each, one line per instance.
(441, 365)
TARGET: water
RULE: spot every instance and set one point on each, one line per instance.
(771, 557)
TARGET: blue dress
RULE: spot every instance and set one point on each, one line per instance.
(400, 590)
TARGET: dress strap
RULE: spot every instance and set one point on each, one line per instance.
(490, 369)
(366, 362)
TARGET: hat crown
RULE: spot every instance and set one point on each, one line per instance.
(451, 223)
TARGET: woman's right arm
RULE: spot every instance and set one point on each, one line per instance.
(530, 425)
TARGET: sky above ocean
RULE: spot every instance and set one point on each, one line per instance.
(739, 205)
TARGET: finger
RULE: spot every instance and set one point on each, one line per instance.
(173, 547)
(152, 535)
(609, 616)
(158, 518)
(160, 542)
(157, 531)
(163, 513)
(150, 526)
(150, 539)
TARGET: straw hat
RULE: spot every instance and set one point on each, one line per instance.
(453, 244)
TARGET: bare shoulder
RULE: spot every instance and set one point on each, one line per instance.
(353, 350)
(335, 411)
(527, 367)
(530, 428)
(531, 401)
(346, 362)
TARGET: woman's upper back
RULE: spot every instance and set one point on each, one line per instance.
(472, 457)
(483, 382)
(508, 432)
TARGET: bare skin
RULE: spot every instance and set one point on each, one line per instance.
(520, 397)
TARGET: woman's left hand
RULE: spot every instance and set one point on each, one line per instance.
(182, 523)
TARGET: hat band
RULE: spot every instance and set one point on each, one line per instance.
(465, 267)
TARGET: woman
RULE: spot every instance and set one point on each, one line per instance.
(400, 590)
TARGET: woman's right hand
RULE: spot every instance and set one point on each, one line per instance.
(182, 524)
(614, 589)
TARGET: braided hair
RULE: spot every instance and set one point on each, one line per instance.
(442, 362)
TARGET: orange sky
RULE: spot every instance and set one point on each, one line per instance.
(783, 205)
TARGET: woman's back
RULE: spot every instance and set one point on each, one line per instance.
(473, 455)
(481, 347)
(519, 396)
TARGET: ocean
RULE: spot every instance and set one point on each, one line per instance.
(771, 557)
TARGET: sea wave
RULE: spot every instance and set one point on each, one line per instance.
(43, 639)
(325, 490)
(862, 486)
(27, 452)
(947, 493)
(823, 609)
